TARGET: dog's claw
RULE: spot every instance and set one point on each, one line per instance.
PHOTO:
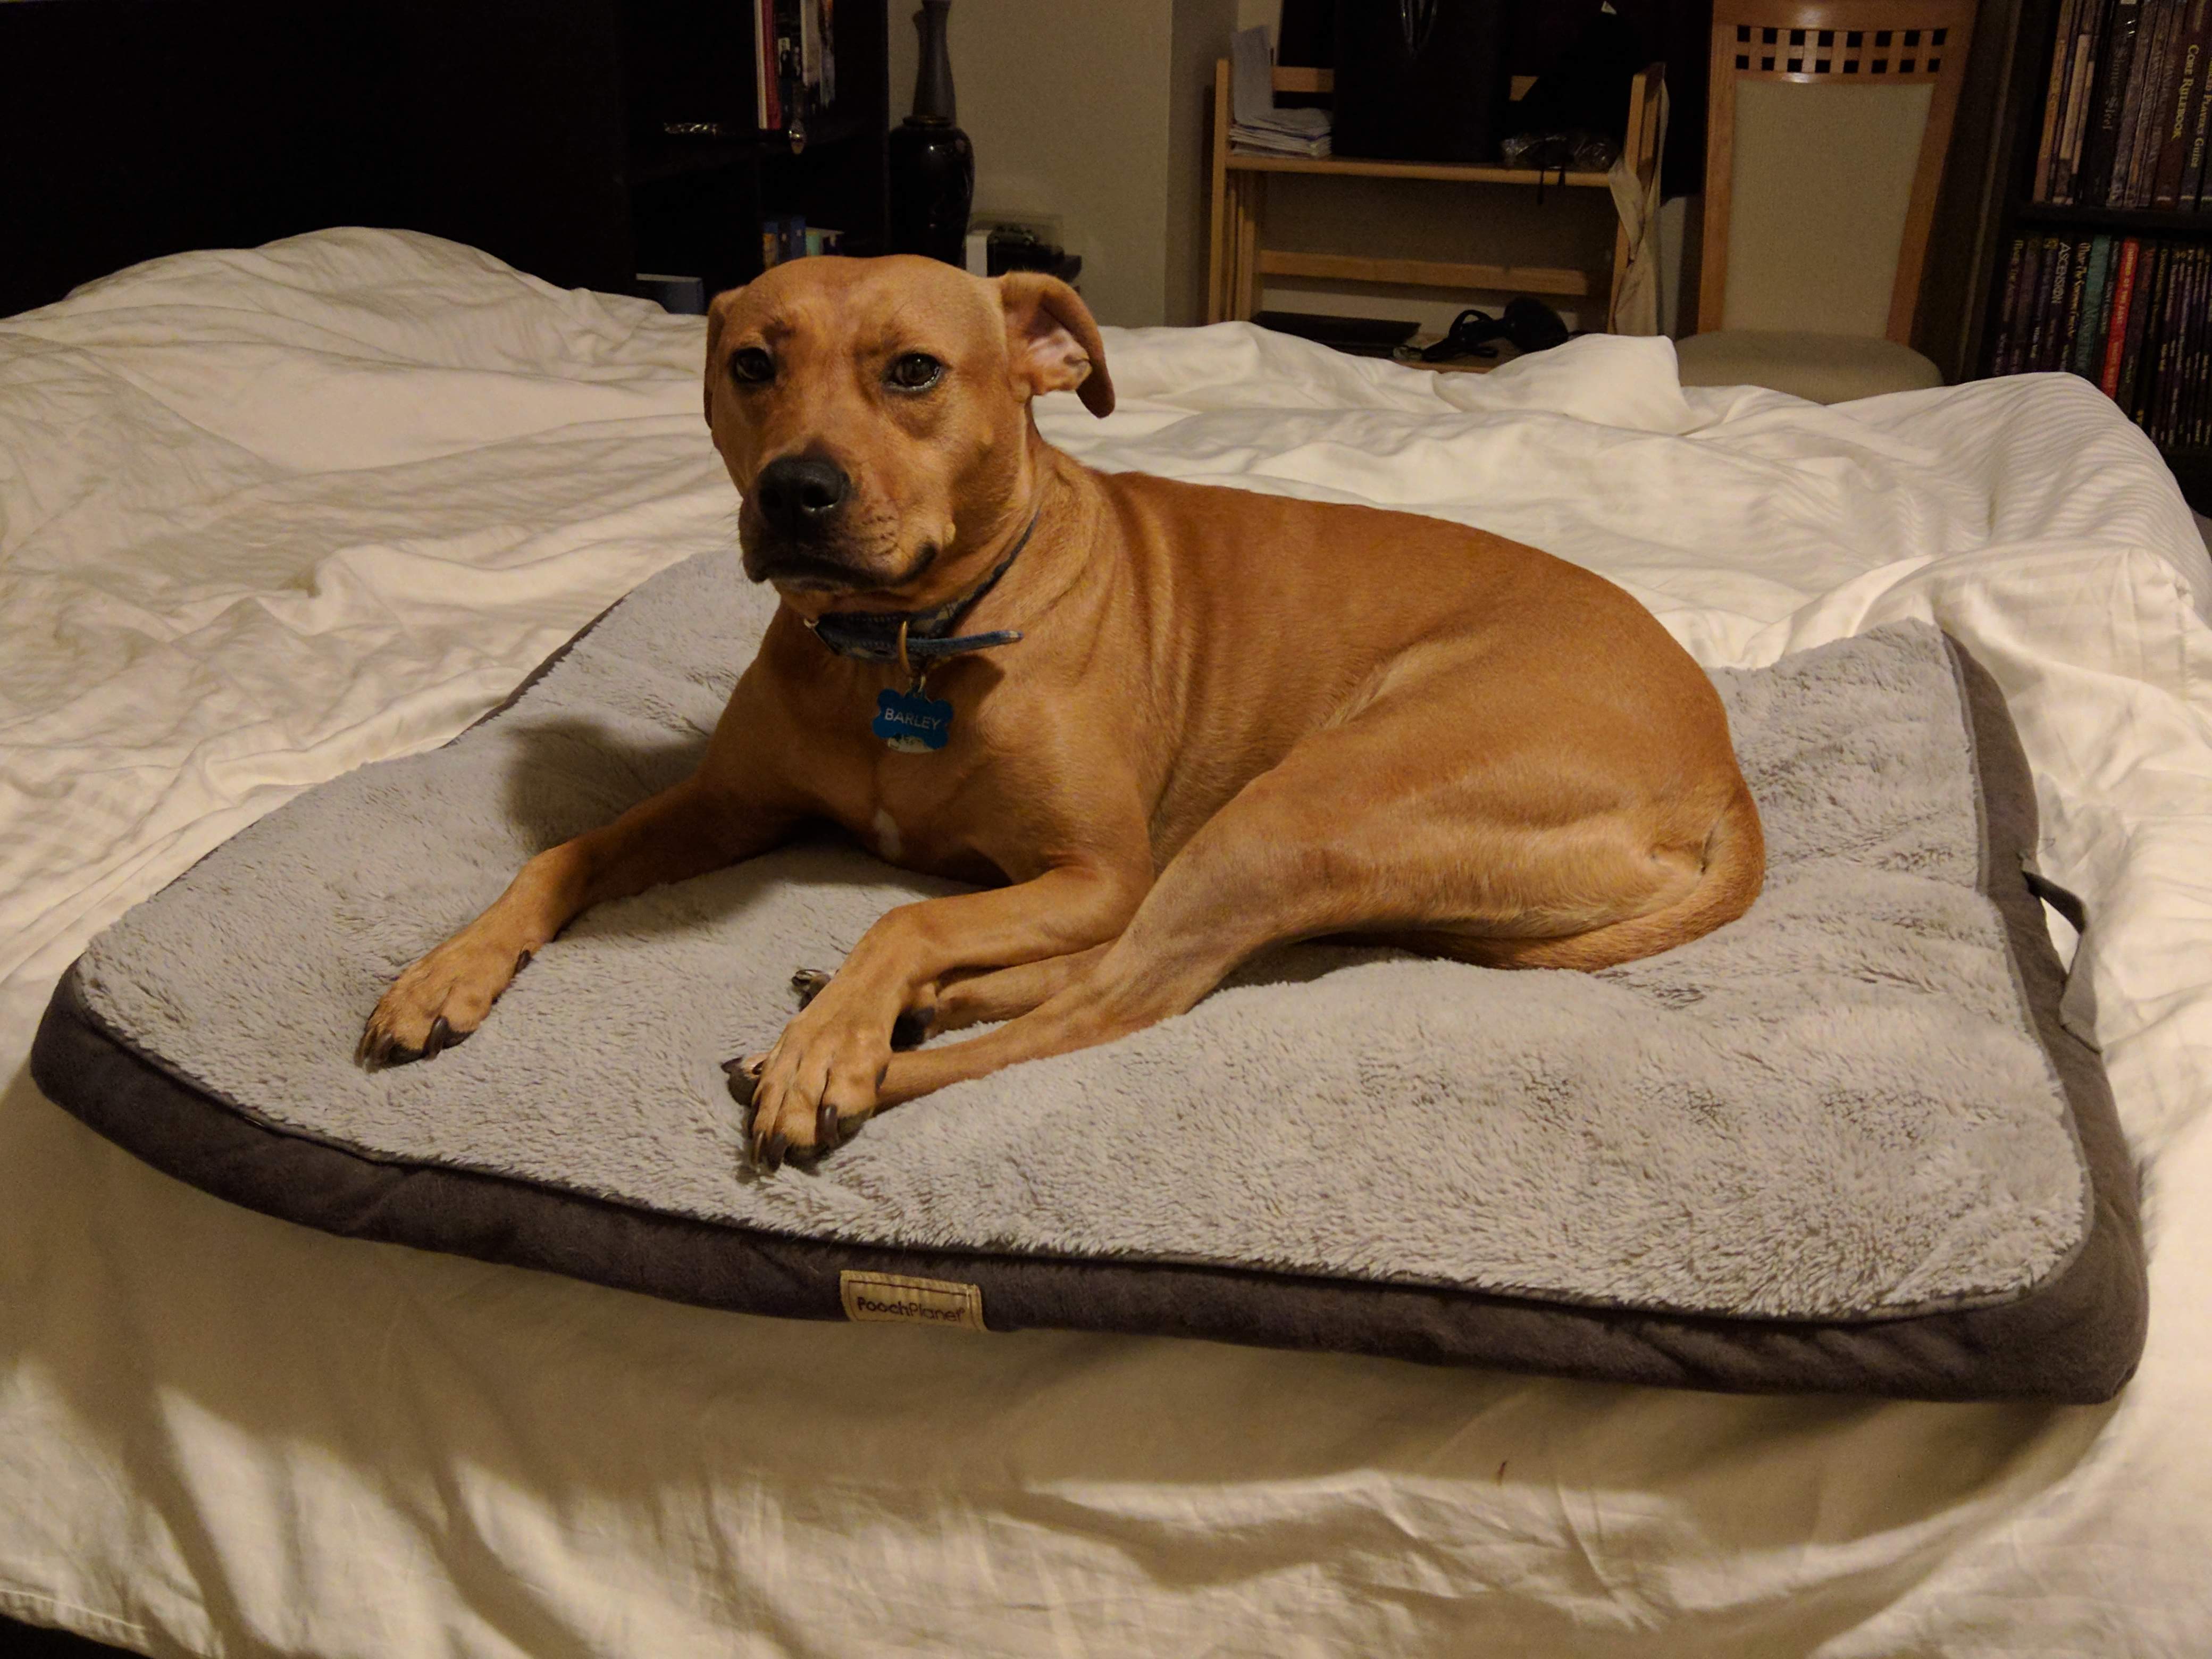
(384, 1050)
(522, 961)
(809, 983)
(772, 1154)
(826, 1135)
(440, 1034)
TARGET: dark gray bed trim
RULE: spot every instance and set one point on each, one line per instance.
(2076, 1337)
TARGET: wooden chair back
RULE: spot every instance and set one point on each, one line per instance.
(1827, 131)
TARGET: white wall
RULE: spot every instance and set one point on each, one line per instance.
(1092, 112)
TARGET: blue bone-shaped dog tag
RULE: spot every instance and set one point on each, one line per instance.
(913, 721)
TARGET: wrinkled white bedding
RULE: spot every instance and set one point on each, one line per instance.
(265, 516)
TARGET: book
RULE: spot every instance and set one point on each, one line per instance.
(2158, 406)
(2142, 76)
(2158, 339)
(2089, 31)
(2159, 95)
(2031, 299)
(2181, 108)
(2198, 426)
(2063, 299)
(768, 93)
(2043, 312)
(2088, 356)
(2200, 123)
(2108, 95)
(2077, 284)
(2002, 359)
(2115, 329)
(2188, 357)
(2133, 379)
(2054, 100)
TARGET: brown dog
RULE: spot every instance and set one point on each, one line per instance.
(1210, 719)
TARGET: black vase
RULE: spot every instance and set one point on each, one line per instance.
(932, 169)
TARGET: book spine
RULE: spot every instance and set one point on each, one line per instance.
(2110, 97)
(2131, 106)
(2054, 100)
(2077, 293)
(2065, 292)
(2200, 123)
(2159, 342)
(2038, 333)
(2035, 324)
(766, 111)
(2088, 47)
(2133, 375)
(2089, 338)
(2124, 391)
(2000, 355)
(2186, 348)
(2158, 101)
(2173, 148)
(2116, 330)
(2024, 305)
(790, 78)
(2200, 374)
(2068, 159)
(2192, 349)
(2159, 411)
(2147, 96)
(2093, 47)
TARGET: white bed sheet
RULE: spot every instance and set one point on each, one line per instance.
(267, 515)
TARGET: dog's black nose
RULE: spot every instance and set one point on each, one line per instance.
(797, 495)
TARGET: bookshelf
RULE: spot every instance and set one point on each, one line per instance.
(2055, 296)
(700, 173)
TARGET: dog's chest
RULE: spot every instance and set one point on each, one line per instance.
(917, 812)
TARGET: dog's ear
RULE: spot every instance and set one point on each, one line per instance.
(1052, 344)
(716, 312)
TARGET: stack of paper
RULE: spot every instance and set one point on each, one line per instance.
(1255, 121)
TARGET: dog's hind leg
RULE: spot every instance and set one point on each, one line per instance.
(1420, 816)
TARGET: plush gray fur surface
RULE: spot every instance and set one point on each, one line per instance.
(1831, 1109)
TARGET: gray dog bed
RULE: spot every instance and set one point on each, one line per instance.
(1840, 1144)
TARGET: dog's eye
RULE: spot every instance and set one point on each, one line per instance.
(752, 366)
(917, 371)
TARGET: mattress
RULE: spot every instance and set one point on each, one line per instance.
(275, 513)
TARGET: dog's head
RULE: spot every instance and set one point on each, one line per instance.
(874, 415)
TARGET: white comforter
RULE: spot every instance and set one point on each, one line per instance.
(266, 516)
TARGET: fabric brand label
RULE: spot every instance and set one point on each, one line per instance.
(907, 1301)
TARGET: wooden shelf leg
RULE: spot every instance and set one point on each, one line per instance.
(1252, 196)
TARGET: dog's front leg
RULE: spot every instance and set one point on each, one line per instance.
(698, 825)
(818, 1082)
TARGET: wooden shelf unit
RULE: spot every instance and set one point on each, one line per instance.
(1237, 262)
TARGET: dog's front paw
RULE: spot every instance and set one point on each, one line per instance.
(438, 1001)
(807, 1096)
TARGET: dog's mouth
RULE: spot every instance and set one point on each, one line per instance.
(799, 568)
